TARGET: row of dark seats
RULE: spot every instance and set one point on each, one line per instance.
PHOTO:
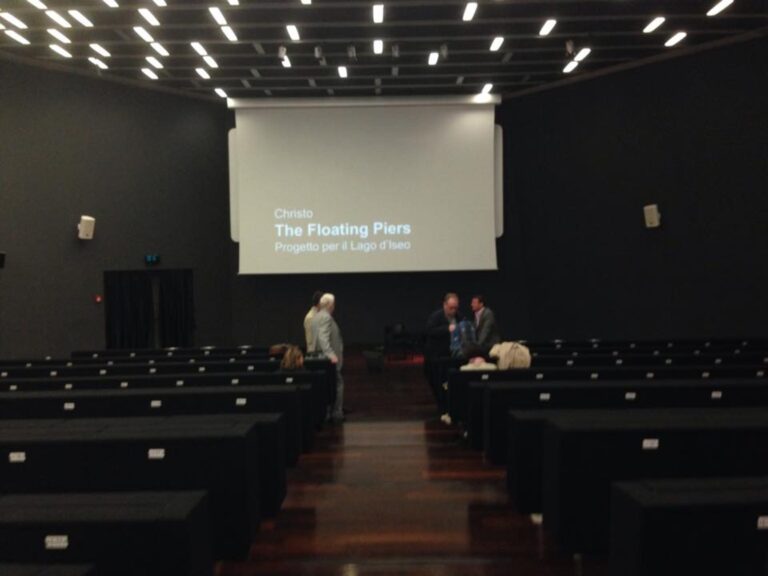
(668, 475)
(149, 474)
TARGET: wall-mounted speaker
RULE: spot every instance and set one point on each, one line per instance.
(652, 216)
(86, 227)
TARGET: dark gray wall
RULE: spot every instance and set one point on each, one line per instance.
(576, 261)
(150, 167)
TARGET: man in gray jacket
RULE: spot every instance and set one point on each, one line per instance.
(486, 330)
(327, 339)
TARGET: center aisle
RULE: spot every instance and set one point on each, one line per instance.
(393, 491)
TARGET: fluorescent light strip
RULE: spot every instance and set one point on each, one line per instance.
(293, 32)
(149, 73)
(677, 37)
(199, 48)
(654, 24)
(378, 46)
(143, 34)
(18, 37)
(11, 19)
(570, 67)
(343, 71)
(159, 48)
(286, 62)
(58, 18)
(233, 2)
(378, 13)
(583, 53)
(218, 16)
(203, 73)
(146, 13)
(220, 92)
(81, 18)
(111, 3)
(306, 2)
(59, 36)
(496, 44)
(60, 51)
(154, 62)
(549, 25)
(100, 50)
(719, 7)
(160, 3)
(210, 61)
(229, 33)
(37, 4)
(487, 89)
(433, 58)
(97, 62)
(469, 11)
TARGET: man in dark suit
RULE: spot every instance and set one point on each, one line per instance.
(485, 324)
(437, 351)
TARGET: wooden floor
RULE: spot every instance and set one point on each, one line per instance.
(395, 492)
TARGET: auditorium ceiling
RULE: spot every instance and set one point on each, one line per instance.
(322, 48)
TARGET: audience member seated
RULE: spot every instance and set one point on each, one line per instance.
(293, 359)
(511, 355)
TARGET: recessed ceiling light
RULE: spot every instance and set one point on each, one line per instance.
(245, 83)
(220, 92)
(149, 73)
(59, 36)
(146, 13)
(719, 7)
(293, 32)
(149, 17)
(487, 89)
(469, 11)
(100, 50)
(343, 71)
(286, 62)
(60, 51)
(378, 13)
(210, 61)
(433, 58)
(496, 44)
(218, 16)
(677, 37)
(549, 25)
(199, 48)
(97, 62)
(255, 73)
(378, 46)
(37, 4)
(81, 18)
(159, 48)
(160, 3)
(111, 3)
(459, 80)
(11, 19)
(143, 34)
(229, 33)
(395, 70)
(654, 24)
(203, 73)
(18, 37)
(306, 2)
(58, 18)
(570, 67)
(154, 62)
(583, 53)
(234, 2)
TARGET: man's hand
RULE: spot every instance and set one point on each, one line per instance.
(451, 328)
(334, 359)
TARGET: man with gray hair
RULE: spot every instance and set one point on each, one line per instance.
(327, 339)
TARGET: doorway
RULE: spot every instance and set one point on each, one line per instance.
(149, 308)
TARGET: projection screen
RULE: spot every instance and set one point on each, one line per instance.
(363, 187)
